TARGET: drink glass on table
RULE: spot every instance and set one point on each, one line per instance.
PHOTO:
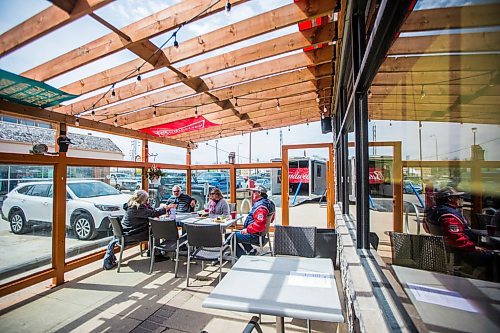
(491, 229)
(233, 214)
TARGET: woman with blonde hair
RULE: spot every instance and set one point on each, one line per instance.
(135, 223)
(217, 205)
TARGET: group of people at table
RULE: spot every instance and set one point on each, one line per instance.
(135, 223)
(445, 218)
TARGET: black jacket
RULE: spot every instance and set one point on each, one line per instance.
(136, 221)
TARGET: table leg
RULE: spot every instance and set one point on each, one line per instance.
(280, 325)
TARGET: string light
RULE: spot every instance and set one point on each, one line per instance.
(176, 43)
(227, 7)
(422, 92)
(288, 128)
(325, 110)
(278, 105)
(241, 133)
(317, 97)
(236, 102)
(267, 132)
(369, 93)
(196, 111)
(154, 113)
(77, 121)
(139, 79)
(93, 114)
(390, 122)
(116, 120)
(307, 122)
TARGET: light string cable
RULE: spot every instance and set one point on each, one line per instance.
(138, 69)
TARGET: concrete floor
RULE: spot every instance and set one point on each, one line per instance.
(94, 300)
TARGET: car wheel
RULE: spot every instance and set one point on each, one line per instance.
(118, 187)
(84, 227)
(18, 222)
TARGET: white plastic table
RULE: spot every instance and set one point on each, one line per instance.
(294, 287)
(448, 303)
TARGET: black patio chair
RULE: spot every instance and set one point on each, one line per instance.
(206, 243)
(167, 232)
(123, 240)
(253, 324)
(295, 241)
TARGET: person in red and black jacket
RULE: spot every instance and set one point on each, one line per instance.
(255, 223)
(456, 230)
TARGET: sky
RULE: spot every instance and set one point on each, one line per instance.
(452, 140)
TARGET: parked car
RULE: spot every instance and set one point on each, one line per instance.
(264, 182)
(215, 179)
(408, 187)
(88, 204)
(123, 181)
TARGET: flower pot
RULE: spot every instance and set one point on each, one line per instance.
(155, 180)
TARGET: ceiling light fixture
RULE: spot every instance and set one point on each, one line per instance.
(278, 105)
(227, 7)
(116, 120)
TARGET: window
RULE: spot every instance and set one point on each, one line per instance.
(24, 189)
(318, 170)
(40, 190)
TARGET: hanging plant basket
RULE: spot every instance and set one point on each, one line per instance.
(154, 174)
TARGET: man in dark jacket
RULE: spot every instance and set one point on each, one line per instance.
(182, 202)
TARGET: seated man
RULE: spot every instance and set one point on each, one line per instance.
(255, 223)
(183, 203)
(456, 231)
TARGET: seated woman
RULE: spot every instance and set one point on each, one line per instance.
(135, 223)
(217, 205)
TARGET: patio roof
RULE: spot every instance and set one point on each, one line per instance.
(439, 75)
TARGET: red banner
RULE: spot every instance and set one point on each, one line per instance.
(297, 175)
(376, 176)
(179, 126)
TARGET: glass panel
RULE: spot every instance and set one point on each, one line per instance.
(202, 181)
(94, 193)
(26, 226)
(161, 190)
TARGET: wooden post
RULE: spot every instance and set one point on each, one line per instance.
(232, 183)
(188, 171)
(285, 213)
(397, 168)
(59, 220)
(145, 159)
(330, 190)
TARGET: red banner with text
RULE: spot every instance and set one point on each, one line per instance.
(376, 176)
(297, 175)
(179, 127)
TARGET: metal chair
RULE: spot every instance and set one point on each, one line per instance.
(167, 231)
(206, 243)
(483, 220)
(295, 241)
(419, 251)
(252, 324)
(264, 237)
(123, 241)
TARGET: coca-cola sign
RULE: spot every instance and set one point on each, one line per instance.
(376, 176)
(298, 175)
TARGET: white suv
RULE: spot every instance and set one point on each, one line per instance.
(88, 204)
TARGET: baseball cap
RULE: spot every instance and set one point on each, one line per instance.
(449, 192)
(260, 189)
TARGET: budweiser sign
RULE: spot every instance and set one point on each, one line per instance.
(298, 175)
(179, 126)
(376, 176)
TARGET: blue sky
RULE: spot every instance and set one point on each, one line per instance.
(454, 139)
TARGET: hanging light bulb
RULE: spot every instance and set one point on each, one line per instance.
(154, 113)
(390, 122)
(322, 116)
(196, 111)
(369, 93)
(236, 102)
(288, 128)
(307, 122)
(227, 7)
(116, 120)
(422, 92)
(317, 97)
(267, 132)
(93, 114)
(77, 121)
(325, 110)
(113, 93)
(176, 43)
(278, 105)
(138, 83)
(241, 133)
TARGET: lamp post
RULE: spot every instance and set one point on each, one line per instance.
(474, 130)
(436, 142)
(216, 152)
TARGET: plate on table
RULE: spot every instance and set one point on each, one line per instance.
(202, 213)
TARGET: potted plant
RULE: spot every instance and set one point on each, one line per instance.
(154, 174)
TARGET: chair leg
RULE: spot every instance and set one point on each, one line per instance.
(176, 261)
(187, 266)
(270, 243)
(220, 265)
(122, 246)
(152, 260)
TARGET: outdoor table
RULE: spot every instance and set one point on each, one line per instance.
(448, 303)
(295, 287)
(494, 241)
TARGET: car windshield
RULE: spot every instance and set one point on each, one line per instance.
(210, 176)
(92, 189)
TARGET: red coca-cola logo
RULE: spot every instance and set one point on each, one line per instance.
(376, 176)
(298, 175)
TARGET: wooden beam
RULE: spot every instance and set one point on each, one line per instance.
(453, 18)
(43, 23)
(149, 27)
(252, 27)
(442, 63)
(445, 88)
(469, 42)
(433, 78)
(50, 116)
(273, 47)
